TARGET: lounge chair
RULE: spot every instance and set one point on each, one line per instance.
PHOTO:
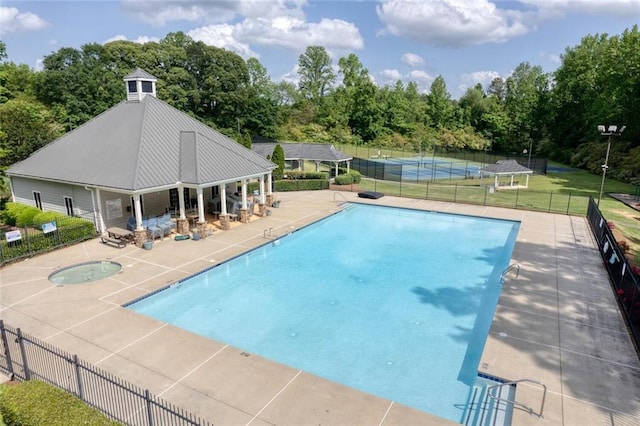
(153, 229)
(166, 223)
(131, 223)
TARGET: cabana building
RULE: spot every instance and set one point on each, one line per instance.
(141, 158)
(296, 153)
(504, 174)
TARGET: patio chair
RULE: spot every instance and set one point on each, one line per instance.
(153, 229)
(167, 224)
(131, 223)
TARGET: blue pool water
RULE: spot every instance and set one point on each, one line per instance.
(394, 302)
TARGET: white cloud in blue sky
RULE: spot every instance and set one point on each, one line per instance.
(465, 41)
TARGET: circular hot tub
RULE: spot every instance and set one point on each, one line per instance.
(86, 272)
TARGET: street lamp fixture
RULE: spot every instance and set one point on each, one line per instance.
(609, 131)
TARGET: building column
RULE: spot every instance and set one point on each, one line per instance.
(182, 224)
(225, 221)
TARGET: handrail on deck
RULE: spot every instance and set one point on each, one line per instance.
(519, 404)
(511, 267)
(341, 194)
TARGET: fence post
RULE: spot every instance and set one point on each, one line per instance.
(517, 196)
(486, 189)
(147, 398)
(23, 353)
(455, 193)
(5, 345)
(78, 377)
(550, 198)
(568, 203)
(426, 197)
(26, 233)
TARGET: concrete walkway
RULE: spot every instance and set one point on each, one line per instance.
(558, 323)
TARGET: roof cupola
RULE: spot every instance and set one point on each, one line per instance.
(140, 84)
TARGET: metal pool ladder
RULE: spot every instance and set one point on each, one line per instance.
(519, 404)
(340, 194)
(504, 273)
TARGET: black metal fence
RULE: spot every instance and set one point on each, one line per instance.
(432, 170)
(27, 358)
(21, 242)
(624, 281)
(525, 199)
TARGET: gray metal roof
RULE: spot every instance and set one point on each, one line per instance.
(302, 151)
(135, 146)
(139, 74)
(506, 167)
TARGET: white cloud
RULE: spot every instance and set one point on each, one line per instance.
(14, 21)
(420, 76)
(391, 75)
(222, 36)
(451, 22)
(551, 57)
(296, 34)
(483, 77)
(611, 8)
(286, 32)
(236, 25)
(162, 12)
(412, 60)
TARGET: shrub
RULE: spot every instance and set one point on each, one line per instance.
(300, 185)
(624, 246)
(34, 403)
(357, 176)
(299, 174)
(16, 214)
(346, 179)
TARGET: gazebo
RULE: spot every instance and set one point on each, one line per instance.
(510, 168)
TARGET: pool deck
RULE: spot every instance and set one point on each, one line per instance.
(557, 322)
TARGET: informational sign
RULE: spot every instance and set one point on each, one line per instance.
(49, 227)
(13, 236)
(114, 208)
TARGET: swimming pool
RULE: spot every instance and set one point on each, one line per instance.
(394, 302)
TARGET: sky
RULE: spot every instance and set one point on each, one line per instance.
(464, 41)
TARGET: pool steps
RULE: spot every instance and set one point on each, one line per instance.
(483, 409)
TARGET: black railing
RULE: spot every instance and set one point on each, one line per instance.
(26, 358)
(625, 282)
(21, 242)
(485, 195)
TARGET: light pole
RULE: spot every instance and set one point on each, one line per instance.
(612, 130)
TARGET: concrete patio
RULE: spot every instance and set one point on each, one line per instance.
(557, 322)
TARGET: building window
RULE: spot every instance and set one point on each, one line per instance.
(174, 201)
(133, 87)
(68, 203)
(147, 87)
(37, 199)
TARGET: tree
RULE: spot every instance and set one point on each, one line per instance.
(525, 90)
(26, 127)
(316, 73)
(261, 112)
(278, 159)
(439, 105)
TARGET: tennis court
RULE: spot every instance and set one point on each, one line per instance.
(417, 168)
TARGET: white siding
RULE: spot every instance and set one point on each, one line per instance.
(52, 195)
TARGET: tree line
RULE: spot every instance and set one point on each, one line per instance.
(552, 114)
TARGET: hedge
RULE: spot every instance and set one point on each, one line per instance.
(30, 219)
(36, 403)
(300, 185)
